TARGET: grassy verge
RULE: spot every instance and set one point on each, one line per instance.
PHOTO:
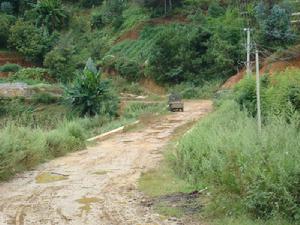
(251, 179)
(24, 145)
(246, 173)
(162, 182)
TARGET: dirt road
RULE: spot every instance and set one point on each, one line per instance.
(97, 185)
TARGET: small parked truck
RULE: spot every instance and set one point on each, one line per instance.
(175, 103)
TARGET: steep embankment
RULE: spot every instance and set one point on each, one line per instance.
(13, 58)
(271, 66)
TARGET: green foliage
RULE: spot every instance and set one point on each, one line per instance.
(29, 40)
(190, 91)
(215, 10)
(133, 110)
(280, 93)
(128, 69)
(210, 51)
(96, 21)
(274, 24)
(31, 75)
(60, 63)
(51, 15)
(90, 3)
(44, 98)
(20, 149)
(176, 57)
(6, 7)
(68, 137)
(10, 68)
(91, 95)
(244, 171)
(6, 22)
(112, 13)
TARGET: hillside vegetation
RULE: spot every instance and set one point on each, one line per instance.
(78, 58)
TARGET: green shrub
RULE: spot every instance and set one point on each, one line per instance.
(60, 63)
(6, 22)
(128, 69)
(189, 90)
(51, 15)
(279, 93)
(30, 41)
(35, 74)
(274, 23)
(137, 109)
(44, 98)
(91, 95)
(112, 12)
(97, 21)
(10, 68)
(90, 3)
(69, 137)
(244, 170)
(20, 149)
(6, 7)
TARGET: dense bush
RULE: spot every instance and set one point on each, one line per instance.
(244, 171)
(20, 149)
(30, 41)
(44, 98)
(279, 93)
(274, 24)
(128, 69)
(10, 68)
(6, 7)
(60, 63)
(112, 13)
(28, 74)
(90, 3)
(91, 95)
(51, 15)
(96, 21)
(133, 110)
(210, 51)
(6, 22)
(69, 137)
(190, 91)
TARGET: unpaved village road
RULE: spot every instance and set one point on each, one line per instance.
(98, 186)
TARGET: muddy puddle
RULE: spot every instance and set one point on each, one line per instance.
(48, 177)
(188, 203)
(86, 203)
(101, 172)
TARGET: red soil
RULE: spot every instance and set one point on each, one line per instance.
(270, 68)
(134, 33)
(10, 57)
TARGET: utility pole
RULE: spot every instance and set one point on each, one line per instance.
(248, 47)
(258, 92)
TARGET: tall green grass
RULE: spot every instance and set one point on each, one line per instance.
(25, 144)
(246, 172)
(22, 148)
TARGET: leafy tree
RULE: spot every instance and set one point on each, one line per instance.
(91, 3)
(6, 7)
(6, 22)
(51, 15)
(60, 63)
(30, 41)
(112, 13)
(176, 56)
(274, 24)
(91, 95)
(164, 6)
